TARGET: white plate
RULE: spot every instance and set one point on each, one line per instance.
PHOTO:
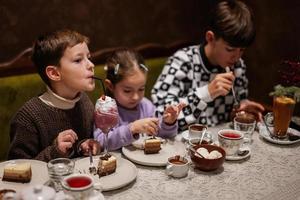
(125, 173)
(39, 174)
(264, 133)
(170, 148)
(236, 157)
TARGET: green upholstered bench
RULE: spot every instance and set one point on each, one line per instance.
(16, 90)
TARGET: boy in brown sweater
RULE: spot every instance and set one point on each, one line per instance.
(58, 123)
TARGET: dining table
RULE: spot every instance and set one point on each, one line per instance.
(272, 171)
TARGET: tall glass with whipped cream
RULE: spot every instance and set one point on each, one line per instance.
(106, 117)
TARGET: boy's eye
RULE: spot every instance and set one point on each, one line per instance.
(229, 49)
(127, 91)
(78, 60)
(142, 89)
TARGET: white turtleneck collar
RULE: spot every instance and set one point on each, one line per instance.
(52, 99)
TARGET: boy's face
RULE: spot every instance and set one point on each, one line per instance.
(130, 91)
(221, 53)
(75, 71)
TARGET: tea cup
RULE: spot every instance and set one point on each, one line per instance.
(78, 186)
(230, 140)
(196, 130)
(177, 166)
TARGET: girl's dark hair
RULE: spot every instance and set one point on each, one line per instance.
(122, 63)
(232, 21)
(48, 49)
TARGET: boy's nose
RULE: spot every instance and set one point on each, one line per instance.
(236, 56)
(90, 65)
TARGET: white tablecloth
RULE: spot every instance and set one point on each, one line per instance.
(271, 172)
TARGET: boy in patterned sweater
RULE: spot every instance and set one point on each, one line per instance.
(59, 122)
(197, 76)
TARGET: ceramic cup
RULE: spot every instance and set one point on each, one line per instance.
(177, 166)
(195, 130)
(78, 186)
(230, 140)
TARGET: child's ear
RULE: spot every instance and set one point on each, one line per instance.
(53, 73)
(209, 36)
(109, 85)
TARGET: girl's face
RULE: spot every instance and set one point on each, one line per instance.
(131, 90)
(75, 72)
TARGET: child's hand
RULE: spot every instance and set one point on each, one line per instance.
(90, 144)
(252, 107)
(65, 141)
(221, 84)
(147, 125)
(171, 113)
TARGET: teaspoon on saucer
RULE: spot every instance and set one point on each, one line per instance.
(242, 152)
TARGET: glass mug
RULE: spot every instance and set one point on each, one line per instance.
(280, 119)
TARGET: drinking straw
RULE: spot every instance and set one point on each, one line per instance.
(102, 84)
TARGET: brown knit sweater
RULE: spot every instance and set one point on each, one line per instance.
(36, 125)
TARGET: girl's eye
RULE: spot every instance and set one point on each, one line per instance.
(142, 89)
(127, 91)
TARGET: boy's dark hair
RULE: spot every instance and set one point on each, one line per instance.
(48, 49)
(232, 21)
(121, 63)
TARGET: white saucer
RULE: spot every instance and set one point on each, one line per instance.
(186, 137)
(264, 133)
(237, 157)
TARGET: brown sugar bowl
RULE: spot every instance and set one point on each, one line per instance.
(205, 164)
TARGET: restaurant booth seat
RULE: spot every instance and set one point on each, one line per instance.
(16, 90)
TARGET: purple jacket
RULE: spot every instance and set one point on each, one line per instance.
(121, 136)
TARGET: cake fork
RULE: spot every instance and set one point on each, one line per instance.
(92, 168)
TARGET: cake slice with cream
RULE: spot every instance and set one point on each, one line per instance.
(152, 145)
(106, 165)
(17, 172)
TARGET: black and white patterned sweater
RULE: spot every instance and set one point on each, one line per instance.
(185, 78)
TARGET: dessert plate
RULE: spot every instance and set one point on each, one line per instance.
(237, 157)
(169, 148)
(264, 133)
(39, 174)
(125, 173)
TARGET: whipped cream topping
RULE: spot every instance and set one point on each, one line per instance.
(105, 104)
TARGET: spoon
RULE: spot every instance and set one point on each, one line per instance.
(193, 150)
(242, 152)
(203, 133)
(269, 131)
(236, 103)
